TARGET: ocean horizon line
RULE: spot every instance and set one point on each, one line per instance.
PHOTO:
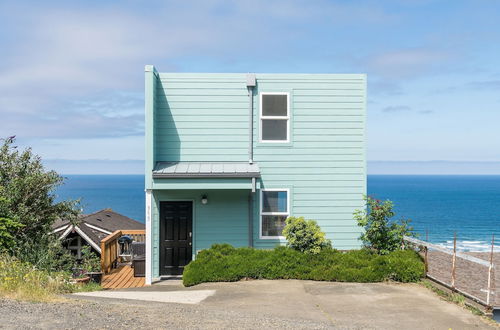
(374, 167)
(369, 174)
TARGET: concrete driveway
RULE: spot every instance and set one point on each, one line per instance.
(304, 304)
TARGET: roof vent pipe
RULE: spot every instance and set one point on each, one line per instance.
(250, 86)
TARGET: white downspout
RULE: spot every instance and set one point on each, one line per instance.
(149, 233)
(250, 86)
(251, 82)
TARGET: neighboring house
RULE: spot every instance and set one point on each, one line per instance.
(91, 229)
(230, 156)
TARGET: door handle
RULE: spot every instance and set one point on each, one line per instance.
(190, 234)
(190, 243)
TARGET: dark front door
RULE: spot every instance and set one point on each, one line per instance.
(176, 224)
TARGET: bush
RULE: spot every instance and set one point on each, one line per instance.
(305, 235)
(380, 232)
(224, 263)
(52, 257)
(404, 268)
(91, 262)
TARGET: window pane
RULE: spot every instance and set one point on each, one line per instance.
(274, 201)
(274, 105)
(274, 129)
(272, 225)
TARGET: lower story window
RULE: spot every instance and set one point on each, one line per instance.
(274, 209)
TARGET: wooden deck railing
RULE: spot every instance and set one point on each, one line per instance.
(109, 247)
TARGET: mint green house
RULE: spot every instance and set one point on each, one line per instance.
(230, 156)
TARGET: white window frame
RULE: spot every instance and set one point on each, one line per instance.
(262, 213)
(287, 117)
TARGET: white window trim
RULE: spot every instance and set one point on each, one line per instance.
(287, 117)
(272, 213)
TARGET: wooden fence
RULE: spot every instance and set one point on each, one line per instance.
(110, 247)
(472, 276)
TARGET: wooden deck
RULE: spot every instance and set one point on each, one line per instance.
(122, 277)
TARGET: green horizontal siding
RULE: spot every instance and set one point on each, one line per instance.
(204, 117)
(224, 219)
(325, 162)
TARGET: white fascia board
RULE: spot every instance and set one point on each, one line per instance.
(59, 229)
(66, 232)
(87, 239)
(97, 228)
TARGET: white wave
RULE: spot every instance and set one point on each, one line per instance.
(470, 246)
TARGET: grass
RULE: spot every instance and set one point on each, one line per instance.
(452, 297)
(88, 287)
(224, 263)
(23, 281)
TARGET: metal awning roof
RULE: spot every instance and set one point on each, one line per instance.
(205, 170)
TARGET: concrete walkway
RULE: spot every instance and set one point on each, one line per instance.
(336, 305)
(179, 297)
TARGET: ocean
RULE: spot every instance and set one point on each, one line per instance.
(441, 205)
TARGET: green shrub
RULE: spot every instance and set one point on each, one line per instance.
(404, 266)
(305, 235)
(380, 232)
(224, 263)
(52, 257)
(91, 262)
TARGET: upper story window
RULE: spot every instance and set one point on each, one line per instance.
(274, 117)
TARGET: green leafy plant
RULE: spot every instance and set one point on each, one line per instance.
(380, 232)
(7, 227)
(305, 235)
(51, 256)
(224, 263)
(28, 206)
(90, 261)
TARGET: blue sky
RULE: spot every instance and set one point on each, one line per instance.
(72, 73)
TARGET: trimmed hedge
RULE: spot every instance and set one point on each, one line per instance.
(224, 263)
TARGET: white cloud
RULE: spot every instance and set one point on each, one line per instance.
(66, 59)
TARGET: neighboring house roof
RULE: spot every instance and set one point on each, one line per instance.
(96, 226)
(206, 170)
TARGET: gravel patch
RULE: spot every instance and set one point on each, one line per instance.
(76, 314)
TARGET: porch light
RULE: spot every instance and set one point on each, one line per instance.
(204, 199)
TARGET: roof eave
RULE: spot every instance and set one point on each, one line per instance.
(204, 176)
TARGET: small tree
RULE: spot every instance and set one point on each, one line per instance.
(28, 201)
(380, 233)
(305, 235)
